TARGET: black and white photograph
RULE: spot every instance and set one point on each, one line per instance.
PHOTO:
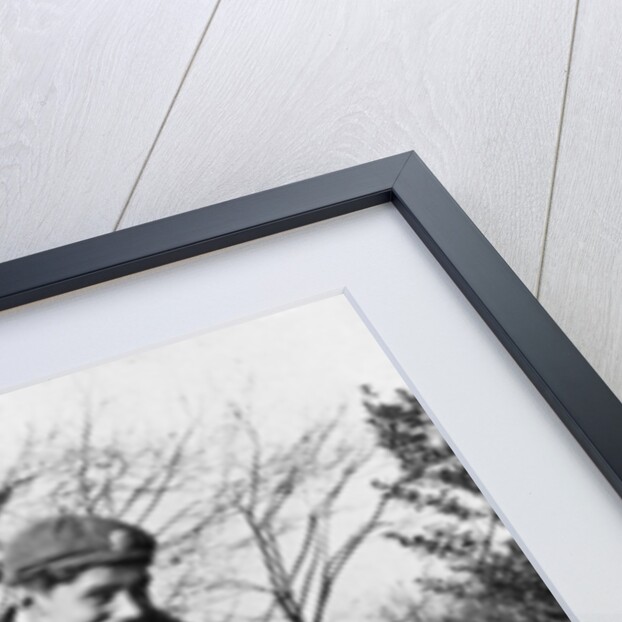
(310, 311)
(276, 470)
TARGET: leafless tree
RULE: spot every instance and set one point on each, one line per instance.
(208, 514)
(17, 477)
(301, 573)
(162, 483)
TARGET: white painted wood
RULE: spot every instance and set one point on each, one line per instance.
(84, 87)
(282, 91)
(582, 276)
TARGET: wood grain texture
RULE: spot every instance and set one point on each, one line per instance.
(283, 91)
(582, 275)
(84, 87)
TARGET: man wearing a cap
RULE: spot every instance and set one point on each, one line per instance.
(80, 569)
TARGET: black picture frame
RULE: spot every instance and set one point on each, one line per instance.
(572, 388)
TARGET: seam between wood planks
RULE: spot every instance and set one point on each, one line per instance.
(166, 116)
(547, 219)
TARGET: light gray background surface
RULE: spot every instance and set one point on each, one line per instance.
(113, 114)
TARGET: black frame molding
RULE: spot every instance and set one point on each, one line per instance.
(569, 384)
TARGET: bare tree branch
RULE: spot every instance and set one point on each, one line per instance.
(340, 558)
(318, 461)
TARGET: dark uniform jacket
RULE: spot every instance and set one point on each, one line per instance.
(154, 615)
(8, 615)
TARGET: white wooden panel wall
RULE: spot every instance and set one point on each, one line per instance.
(284, 90)
(582, 276)
(84, 87)
(112, 114)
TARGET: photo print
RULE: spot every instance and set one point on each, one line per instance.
(285, 472)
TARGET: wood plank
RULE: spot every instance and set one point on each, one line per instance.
(582, 276)
(84, 87)
(280, 92)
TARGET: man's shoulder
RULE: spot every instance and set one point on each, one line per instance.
(8, 615)
(159, 615)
